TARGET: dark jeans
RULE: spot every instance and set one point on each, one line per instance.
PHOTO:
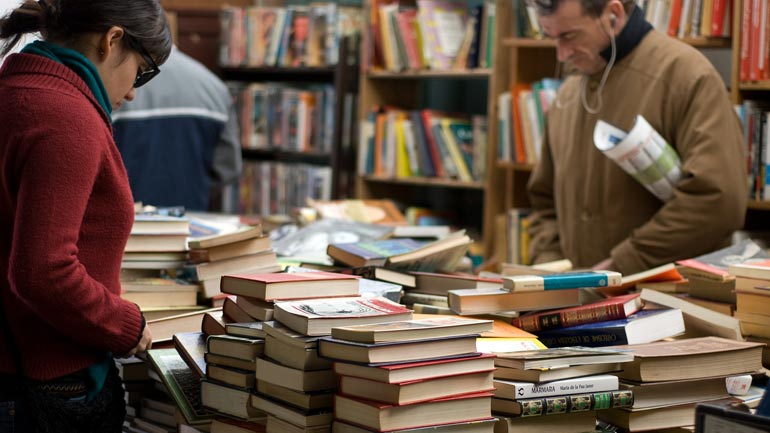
(40, 407)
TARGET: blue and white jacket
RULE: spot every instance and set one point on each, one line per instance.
(179, 136)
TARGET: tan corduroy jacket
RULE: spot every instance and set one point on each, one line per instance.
(586, 208)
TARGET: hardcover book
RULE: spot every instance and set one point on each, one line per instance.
(384, 417)
(486, 301)
(315, 317)
(285, 286)
(642, 327)
(409, 330)
(420, 370)
(613, 308)
(396, 351)
(415, 391)
(692, 358)
(515, 390)
(558, 405)
(562, 357)
(482, 426)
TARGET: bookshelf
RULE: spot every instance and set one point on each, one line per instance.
(344, 78)
(455, 91)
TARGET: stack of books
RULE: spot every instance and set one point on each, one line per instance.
(230, 365)
(404, 375)
(670, 377)
(244, 250)
(429, 293)
(157, 244)
(530, 292)
(752, 292)
(557, 390)
(295, 386)
(613, 321)
(711, 285)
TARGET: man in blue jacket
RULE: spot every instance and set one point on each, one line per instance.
(179, 137)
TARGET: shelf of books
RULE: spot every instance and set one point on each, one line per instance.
(424, 91)
(293, 71)
(750, 86)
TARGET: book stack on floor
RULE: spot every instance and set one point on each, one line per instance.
(138, 385)
(557, 390)
(429, 294)
(613, 321)
(403, 375)
(246, 250)
(752, 292)
(295, 387)
(671, 377)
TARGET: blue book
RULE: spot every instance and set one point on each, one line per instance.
(642, 327)
(563, 280)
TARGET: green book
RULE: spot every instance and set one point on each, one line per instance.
(182, 383)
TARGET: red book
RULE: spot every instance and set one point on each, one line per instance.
(406, 20)
(718, 11)
(285, 286)
(754, 52)
(618, 307)
(745, 40)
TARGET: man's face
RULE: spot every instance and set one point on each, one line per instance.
(579, 36)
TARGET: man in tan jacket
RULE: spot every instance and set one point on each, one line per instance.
(585, 207)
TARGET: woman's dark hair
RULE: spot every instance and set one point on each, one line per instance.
(62, 21)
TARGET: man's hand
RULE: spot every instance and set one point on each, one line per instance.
(144, 344)
(604, 265)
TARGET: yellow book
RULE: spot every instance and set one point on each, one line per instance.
(705, 20)
(402, 155)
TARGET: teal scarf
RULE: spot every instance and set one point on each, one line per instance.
(87, 71)
(78, 63)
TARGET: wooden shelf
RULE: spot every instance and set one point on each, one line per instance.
(425, 181)
(516, 166)
(529, 43)
(427, 73)
(700, 42)
(758, 85)
(245, 73)
(286, 156)
(758, 205)
(708, 42)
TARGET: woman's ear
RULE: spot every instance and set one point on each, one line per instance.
(109, 41)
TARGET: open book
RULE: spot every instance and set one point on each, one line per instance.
(643, 154)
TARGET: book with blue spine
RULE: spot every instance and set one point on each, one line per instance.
(564, 280)
(644, 326)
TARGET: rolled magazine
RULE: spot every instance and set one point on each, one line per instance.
(643, 154)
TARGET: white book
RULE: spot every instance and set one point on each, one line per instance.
(514, 390)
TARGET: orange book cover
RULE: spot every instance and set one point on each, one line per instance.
(676, 14)
(518, 134)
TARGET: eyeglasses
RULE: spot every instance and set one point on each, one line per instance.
(143, 77)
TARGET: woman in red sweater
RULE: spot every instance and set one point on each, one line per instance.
(66, 209)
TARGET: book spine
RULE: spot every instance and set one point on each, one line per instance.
(565, 319)
(584, 337)
(576, 403)
(603, 383)
(575, 280)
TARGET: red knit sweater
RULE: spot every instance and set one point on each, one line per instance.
(65, 214)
